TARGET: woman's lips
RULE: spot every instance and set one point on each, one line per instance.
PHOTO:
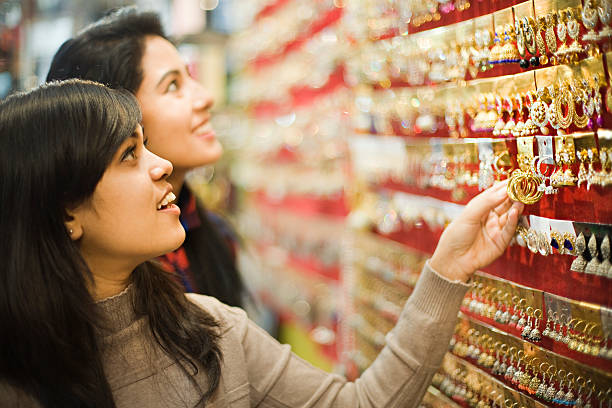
(171, 209)
(205, 131)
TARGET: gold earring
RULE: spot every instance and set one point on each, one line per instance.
(589, 20)
(564, 97)
(539, 26)
(573, 30)
(530, 37)
(561, 34)
(549, 34)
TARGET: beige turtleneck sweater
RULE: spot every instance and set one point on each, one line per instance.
(257, 371)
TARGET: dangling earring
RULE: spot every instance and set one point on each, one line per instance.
(579, 403)
(541, 391)
(70, 231)
(534, 383)
(535, 335)
(559, 397)
(579, 263)
(527, 327)
(605, 14)
(518, 373)
(547, 331)
(551, 391)
(569, 395)
(592, 267)
(509, 374)
(605, 265)
(589, 20)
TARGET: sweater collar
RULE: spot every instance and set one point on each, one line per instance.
(118, 311)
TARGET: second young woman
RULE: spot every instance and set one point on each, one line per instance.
(128, 49)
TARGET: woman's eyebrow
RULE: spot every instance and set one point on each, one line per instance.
(172, 72)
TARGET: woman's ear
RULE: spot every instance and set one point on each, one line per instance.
(73, 226)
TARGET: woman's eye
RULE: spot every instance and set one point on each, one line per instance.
(173, 86)
(129, 154)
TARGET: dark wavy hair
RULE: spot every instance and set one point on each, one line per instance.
(110, 51)
(56, 142)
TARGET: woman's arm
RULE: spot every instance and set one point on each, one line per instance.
(414, 348)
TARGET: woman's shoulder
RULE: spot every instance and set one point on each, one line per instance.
(229, 316)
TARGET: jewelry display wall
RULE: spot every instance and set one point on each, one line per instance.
(447, 103)
(404, 111)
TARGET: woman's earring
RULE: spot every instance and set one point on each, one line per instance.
(70, 231)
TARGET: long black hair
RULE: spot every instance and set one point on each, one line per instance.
(55, 144)
(110, 51)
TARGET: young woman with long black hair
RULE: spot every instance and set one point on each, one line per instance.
(87, 321)
(128, 49)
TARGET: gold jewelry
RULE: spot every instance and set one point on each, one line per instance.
(582, 173)
(520, 37)
(497, 50)
(564, 156)
(551, 40)
(580, 95)
(561, 34)
(605, 15)
(530, 36)
(523, 182)
(551, 112)
(562, 97)
(573, 30)
(556, 241)
(539, 25)
(510, 53)
(589, 20)
(538, 109)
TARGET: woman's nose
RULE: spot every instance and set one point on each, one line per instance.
(161, 168)
(202, 99)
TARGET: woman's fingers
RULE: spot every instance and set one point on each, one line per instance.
(503, 208)
(511, 217)
(485, 202)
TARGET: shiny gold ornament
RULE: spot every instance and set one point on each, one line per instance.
(551, 39)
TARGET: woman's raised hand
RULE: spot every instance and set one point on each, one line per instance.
(478, 236)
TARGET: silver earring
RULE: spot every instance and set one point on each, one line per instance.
(70, 231)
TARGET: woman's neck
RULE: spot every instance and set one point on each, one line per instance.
(105, 287)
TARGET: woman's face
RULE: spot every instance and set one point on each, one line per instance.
(175, 109)
(121, 224)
